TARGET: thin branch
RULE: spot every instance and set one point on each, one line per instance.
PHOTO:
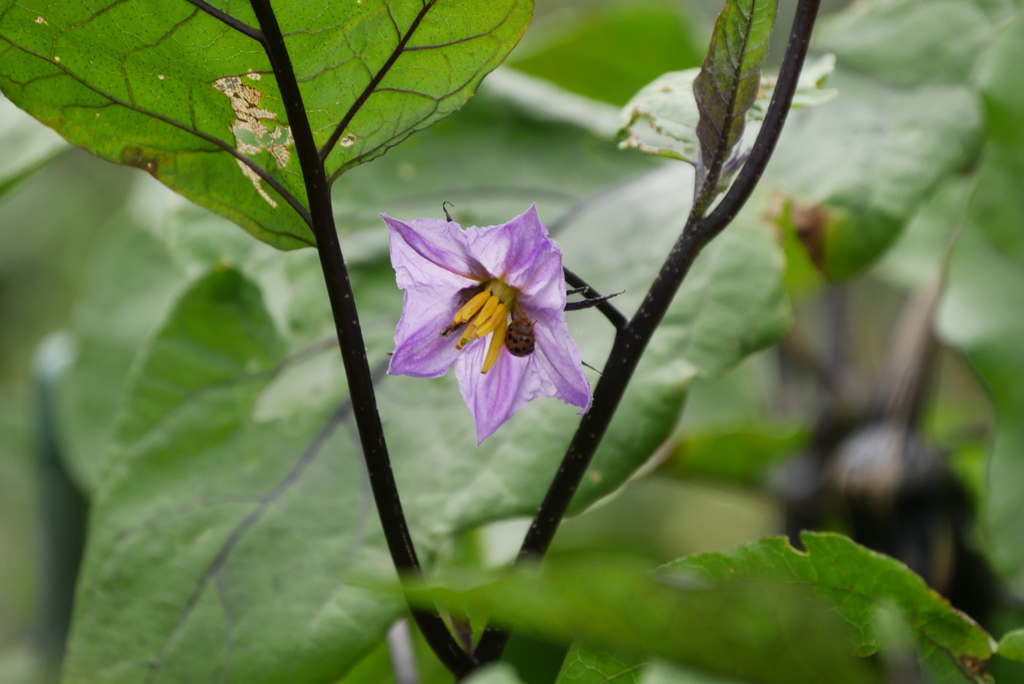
(613, 315)
(231, 21)
(350, 337)
(590, 303)
(632, 340)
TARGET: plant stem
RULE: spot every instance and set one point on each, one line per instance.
(350, 338)
(631, 341)
(609, 310)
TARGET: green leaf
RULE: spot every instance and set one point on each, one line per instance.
(775, 635)
(871, 158)
(857, 583)
(193, 101)
(915, 42)
(730, 78)
(741, 453)
(918, 257)
(1011, 646)
(990, 337)
(906, 120)
(660, 672)
(586, 665)
(217, 334)
(235, 441)
(26, 146)
(734, 293)
(982, 301)
(545, 101)
(662, 118)
(607, 52)
(206, 495)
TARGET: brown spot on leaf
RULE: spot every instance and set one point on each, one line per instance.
(810, 221)
(972, 664)
(141, 159)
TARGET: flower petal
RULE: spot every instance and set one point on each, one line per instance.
(509, 251)
(420, 351)
(432, 252)
(544, 289)
(558, 358)
(495, 396)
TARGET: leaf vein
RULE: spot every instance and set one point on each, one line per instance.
(283, 485)
(375, 81)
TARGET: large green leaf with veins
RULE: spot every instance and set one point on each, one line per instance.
(184, 90)
(227, 470)
(857, 583)
(221, 544)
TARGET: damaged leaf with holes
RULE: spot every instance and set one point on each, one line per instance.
(189, 96)
(662, 118)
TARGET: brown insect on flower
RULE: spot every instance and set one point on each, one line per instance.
(519, 339)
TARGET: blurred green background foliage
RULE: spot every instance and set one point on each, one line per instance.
(889, 222)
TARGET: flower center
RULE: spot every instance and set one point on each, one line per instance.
(488, 311)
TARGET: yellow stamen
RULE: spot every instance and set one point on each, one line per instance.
(467, 336)
(471, 307)
(497, 343)
(497, 318)
(487, 311)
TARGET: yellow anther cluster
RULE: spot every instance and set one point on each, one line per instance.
(488, 311)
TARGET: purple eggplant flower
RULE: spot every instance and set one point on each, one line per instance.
(491, 301)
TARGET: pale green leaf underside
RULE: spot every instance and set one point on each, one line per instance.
(913, 43)
(172, 90)
(857, 583)
(662, 118)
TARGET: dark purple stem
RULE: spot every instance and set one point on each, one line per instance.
(632, 340)
(350, 337)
